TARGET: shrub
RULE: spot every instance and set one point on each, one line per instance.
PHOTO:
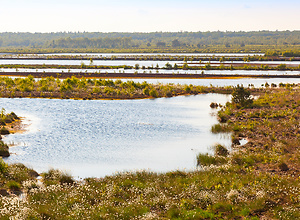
(241, 97)
(146, 91)
(3, 166)
(13, 185)
(207, 160)
(66, 178)
(214, 105)
(13, 115)
(222, 117)
(56, 176)
(283, 166)
(4, 131)
(4, 150)
(219, 128)
(235, 141)
(221, 150)
(19, 173)
(153, 93)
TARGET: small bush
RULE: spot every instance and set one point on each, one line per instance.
(146, 91)
(153, 93)
(13, 115)
(235, 141)
(222, 117)
(241, 97)
(56, 176)
(283, 166)
(3, 166)
(4, 151)
(8, 120)
(66, 178)
(219, 128)
(4, 131)
(207, 160)
(214, 105)
(221, 150)
(13, 185)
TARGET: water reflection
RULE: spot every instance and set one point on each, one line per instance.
(98, 138)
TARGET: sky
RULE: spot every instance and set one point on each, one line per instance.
(148, 16)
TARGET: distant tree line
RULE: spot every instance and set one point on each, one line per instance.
(173, 40)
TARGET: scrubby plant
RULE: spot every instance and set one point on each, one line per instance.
(153, 93)
(4, 131)
(13, 185)
(283, 166)
(3, 166)
(220, 128)
(54, 176)
(4, 149)
(214, 105)
(241, 97)
(220, 150)
(207, 160)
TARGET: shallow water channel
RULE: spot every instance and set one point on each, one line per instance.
(94, 138)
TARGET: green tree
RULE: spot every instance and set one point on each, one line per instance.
(175, 43)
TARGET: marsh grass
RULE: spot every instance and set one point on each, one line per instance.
(246, 184)
(83, 88)
(220, 128)
(207, 160)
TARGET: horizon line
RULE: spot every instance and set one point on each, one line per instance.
(143, 32)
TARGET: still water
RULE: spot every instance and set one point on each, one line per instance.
(246, 82)
(94, 138)
(146, 63)
(146, 71)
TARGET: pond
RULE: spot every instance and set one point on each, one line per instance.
(256, 82)
(141, 63)
(154, 71)
(94, 138)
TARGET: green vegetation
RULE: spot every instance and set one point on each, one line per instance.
(258, 180)
(241, 97)
(4, 149)
(272, 42)
(44, 66)
(83, 88)
(6, 121)
(184, 66)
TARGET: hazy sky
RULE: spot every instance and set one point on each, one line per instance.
(148, 16)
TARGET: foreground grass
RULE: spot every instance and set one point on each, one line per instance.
(249, 183)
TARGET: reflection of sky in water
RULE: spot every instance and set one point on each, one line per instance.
(151, 71)
(146, 63)
(257, 82)
(97, 138)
